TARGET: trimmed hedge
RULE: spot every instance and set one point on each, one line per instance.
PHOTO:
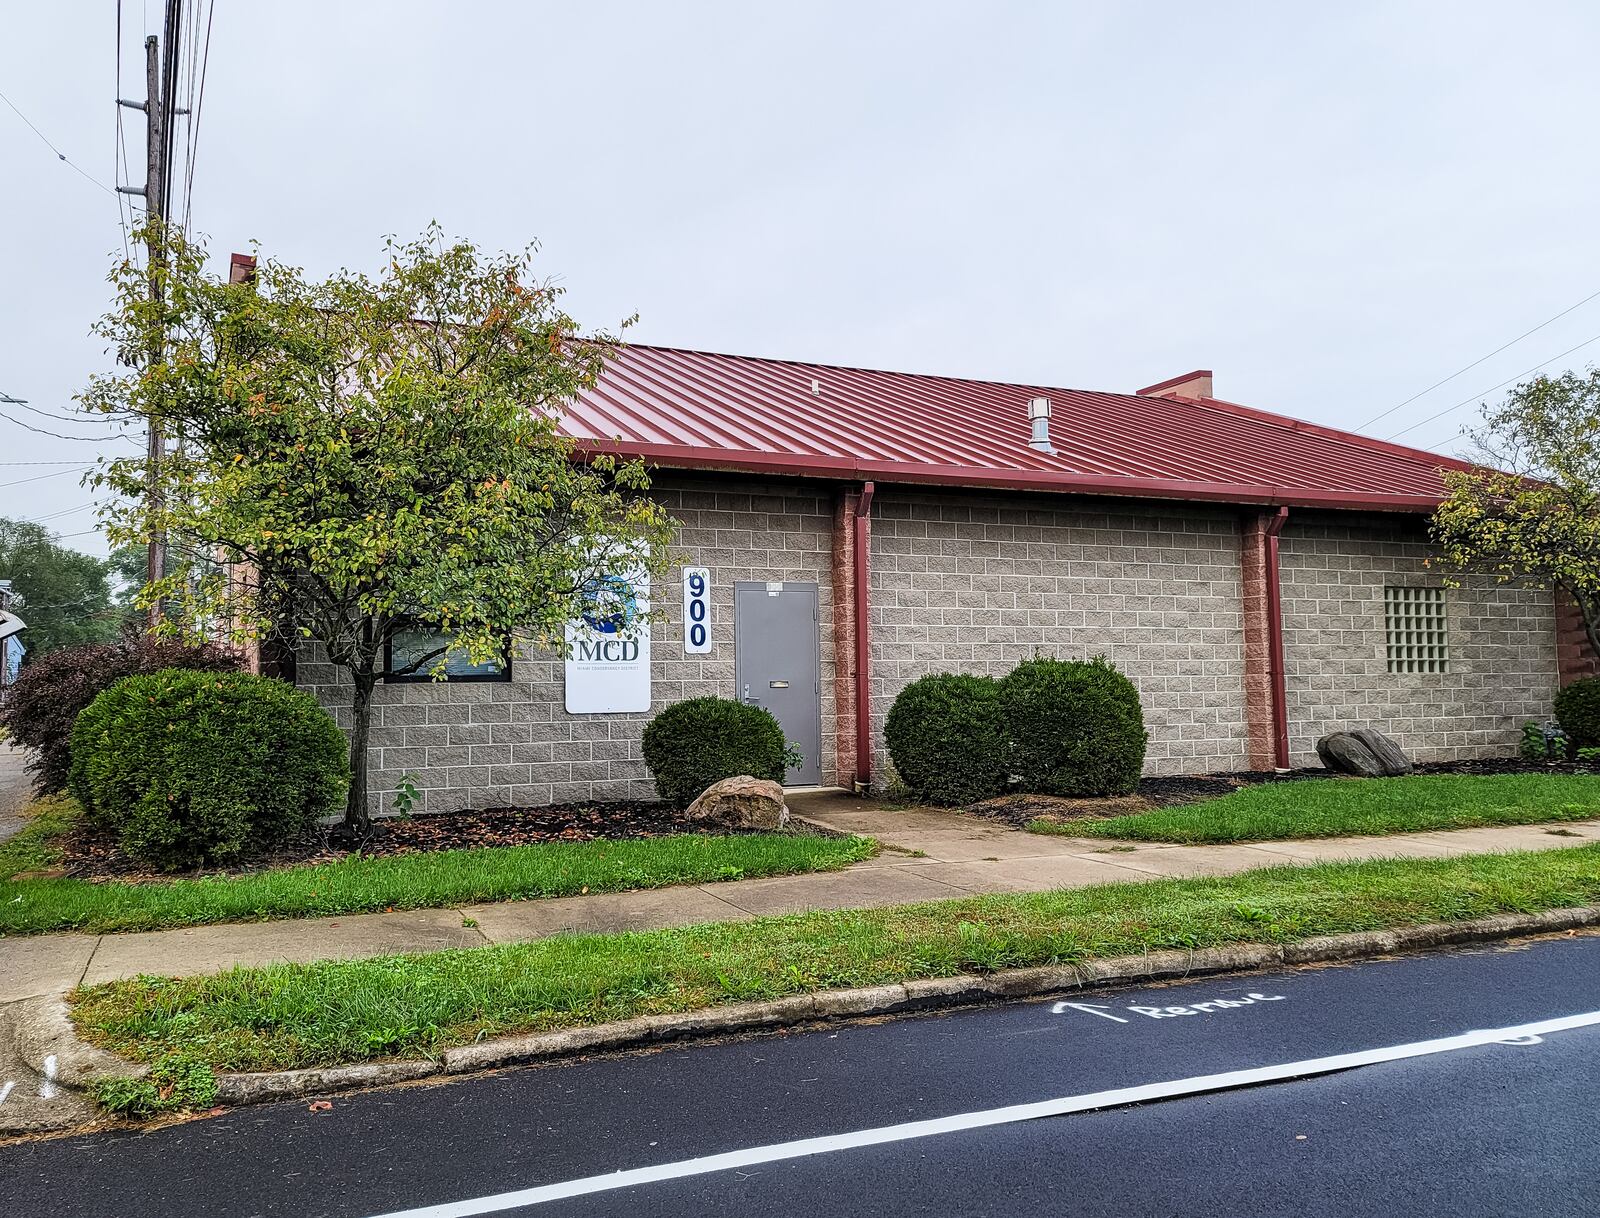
(52, 690)
(694, 743)
(1076, 727)
(946, 736)
(1578, 712)
(190, 768)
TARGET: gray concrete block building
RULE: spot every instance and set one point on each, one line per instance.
(843, 531)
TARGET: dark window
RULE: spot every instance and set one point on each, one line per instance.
(411, 644)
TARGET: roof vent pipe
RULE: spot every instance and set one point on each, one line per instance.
(1039, 417)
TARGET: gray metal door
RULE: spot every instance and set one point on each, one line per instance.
(777, 665)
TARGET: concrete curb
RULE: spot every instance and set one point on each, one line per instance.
(924, 994)
(46, 1072)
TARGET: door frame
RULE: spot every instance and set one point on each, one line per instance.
(765, 586)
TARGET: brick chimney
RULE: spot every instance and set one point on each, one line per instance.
(1196, 384)
(241, 268)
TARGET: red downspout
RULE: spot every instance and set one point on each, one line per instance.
(863, 578)
(1280, 712)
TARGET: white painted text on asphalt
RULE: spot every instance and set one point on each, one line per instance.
(1209, 1007)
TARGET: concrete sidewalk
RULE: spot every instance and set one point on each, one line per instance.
(16, 788)
(928, 855)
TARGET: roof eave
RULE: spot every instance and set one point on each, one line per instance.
(672, 456)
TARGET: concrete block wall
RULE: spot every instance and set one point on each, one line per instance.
(1502, 640)
(488, 744)
(975, 583)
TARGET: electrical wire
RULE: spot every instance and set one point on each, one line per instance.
(195, 110)
(60, 156)
(68, 462)
(60, 418)
(1478, 397)
(52, 474)
(82, 507)
(119, 171)
(1385, 414)
(56, 434)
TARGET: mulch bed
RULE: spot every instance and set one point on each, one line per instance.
(87, 855)
(1166, 792)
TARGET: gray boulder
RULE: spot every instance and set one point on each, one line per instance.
(1389, 754)
(741, 802)
(1364, 753)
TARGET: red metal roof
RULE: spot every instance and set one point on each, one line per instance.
(698, 410)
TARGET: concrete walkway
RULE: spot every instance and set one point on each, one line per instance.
(16, 789)
(928, 855)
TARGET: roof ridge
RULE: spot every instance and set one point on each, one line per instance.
(1291, 423)
(805, 363)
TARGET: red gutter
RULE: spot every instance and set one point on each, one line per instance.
(682, 456)
(1280, 699)
(863, 624)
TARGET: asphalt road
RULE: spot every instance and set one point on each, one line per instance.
(1489, 1129)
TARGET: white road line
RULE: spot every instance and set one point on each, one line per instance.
(5, 1091)
(499, 1202)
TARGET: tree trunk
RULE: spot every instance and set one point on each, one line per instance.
(357, 820)
(1589, 612)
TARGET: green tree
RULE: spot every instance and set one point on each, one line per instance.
(370, 454)
(1531, 514)
(63, 595)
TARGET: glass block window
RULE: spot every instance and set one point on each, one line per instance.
(1414, 621)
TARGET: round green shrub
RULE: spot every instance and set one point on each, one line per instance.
(190, 768)
(694, 743)
(1578, 712)
(1075, 725)
(946, 737)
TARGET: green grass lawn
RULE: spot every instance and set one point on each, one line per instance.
(1339, 807)
(349, 1011)
(404, 881)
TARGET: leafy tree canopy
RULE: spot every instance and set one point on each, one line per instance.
(1531, 515)
(63, 595)
(369, 452)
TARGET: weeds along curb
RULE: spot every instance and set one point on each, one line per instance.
(925, 994)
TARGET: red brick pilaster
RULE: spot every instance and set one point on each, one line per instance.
(1574, 657)
(844, 637)
(1257, 642)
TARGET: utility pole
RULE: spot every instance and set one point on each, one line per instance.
(161, 84)
(157, 124)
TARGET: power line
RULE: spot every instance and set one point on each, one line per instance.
(60, 156)
(1478, 397)
(69, 462)
(52, 474)
(197, 104)
(60, 418)
(56, 434)
(119, 170)
(1385, 414)
(82, 507)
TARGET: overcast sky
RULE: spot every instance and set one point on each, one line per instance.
(1333, 209)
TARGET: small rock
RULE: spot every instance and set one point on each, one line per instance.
(741, 802)
(1364, 752)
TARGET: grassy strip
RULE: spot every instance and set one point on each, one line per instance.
(349, 1011)
(1339, 807)
(406, 881)
(34, 846)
